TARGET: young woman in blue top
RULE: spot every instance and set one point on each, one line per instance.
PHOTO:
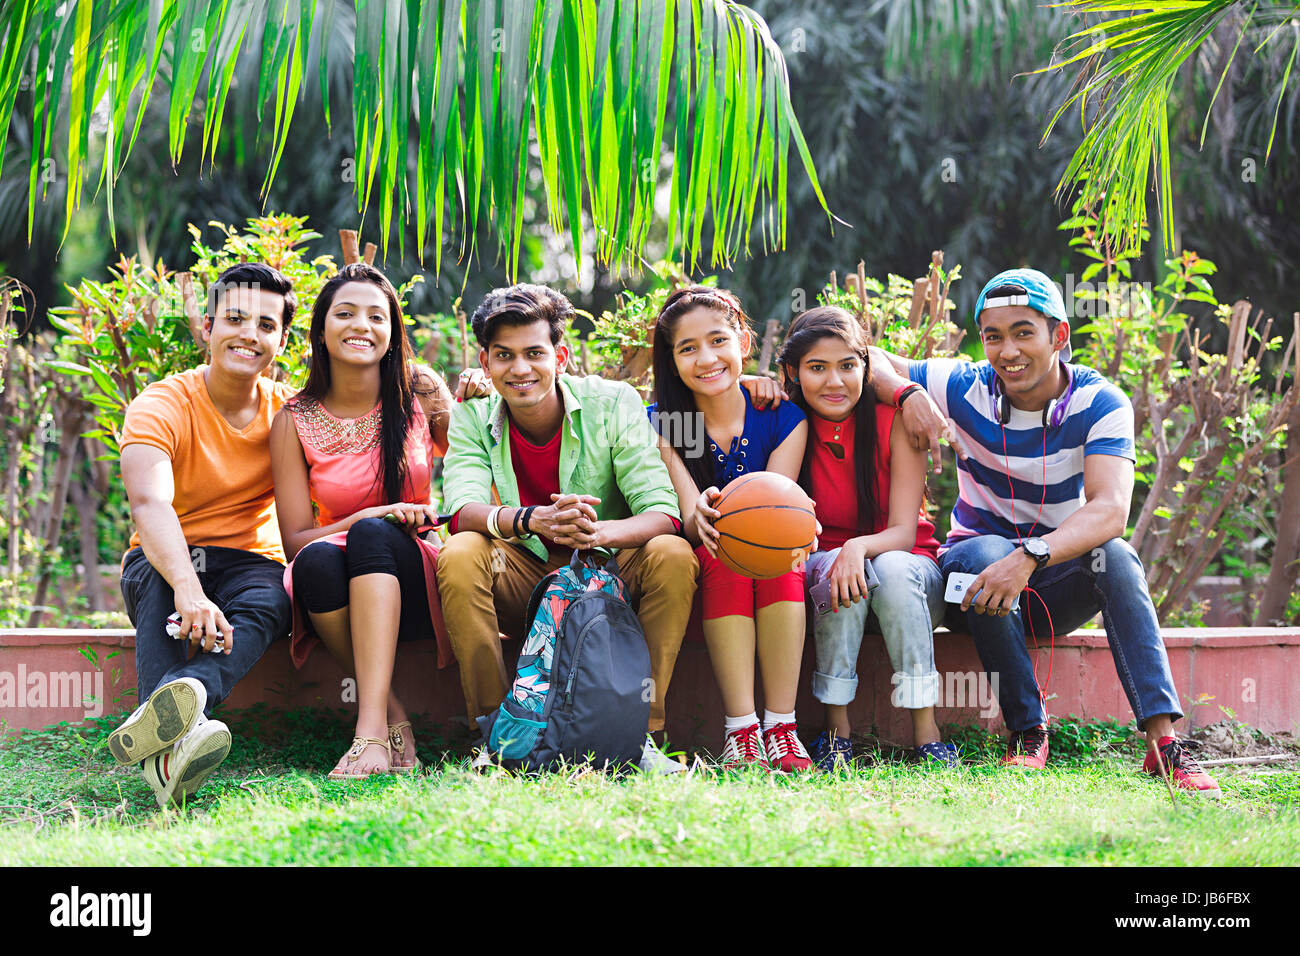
(701, 339)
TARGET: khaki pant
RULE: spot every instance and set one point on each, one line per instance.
(484, 585)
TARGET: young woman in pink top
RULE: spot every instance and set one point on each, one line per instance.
(351, 456)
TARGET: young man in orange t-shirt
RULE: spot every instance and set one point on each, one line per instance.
(197, 469)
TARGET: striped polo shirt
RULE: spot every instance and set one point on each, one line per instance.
(1000, 487)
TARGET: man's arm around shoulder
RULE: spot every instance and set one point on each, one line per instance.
(923, 419)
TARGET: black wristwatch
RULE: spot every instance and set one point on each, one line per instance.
(1037, 549)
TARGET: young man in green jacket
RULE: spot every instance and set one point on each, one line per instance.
(551, 463)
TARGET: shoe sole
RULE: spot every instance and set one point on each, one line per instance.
(747, 765)
(937, 763)
(205, 759)
(665, 768)
(832, 764)
(1213, 793)
(164, 720)
(345, 777)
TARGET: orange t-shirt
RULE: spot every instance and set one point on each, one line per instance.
(224, 496)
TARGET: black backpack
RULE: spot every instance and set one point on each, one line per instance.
(582, 686)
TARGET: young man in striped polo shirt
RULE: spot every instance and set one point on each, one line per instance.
(1045, 482)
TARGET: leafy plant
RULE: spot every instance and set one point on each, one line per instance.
(143, 324)
(1079, 741)
(1127, 61)
(1206, 423)
(465, 87)
(442, 341)
(619, 346)
(907, 317)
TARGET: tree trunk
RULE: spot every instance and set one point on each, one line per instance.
(73, 419)
(36, 504)
(85, 501)
(13, 449)
(348, 241)
(1284, 571)
(769, 347)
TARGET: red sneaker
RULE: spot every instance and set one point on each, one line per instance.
(785, 752)
(743, 748)
(1027, 748)
(1184, 772)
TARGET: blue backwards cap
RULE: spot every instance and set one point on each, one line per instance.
(1036, 291)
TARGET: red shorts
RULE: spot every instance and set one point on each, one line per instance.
(723, 592)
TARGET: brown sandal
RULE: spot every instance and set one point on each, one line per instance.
(397, 747)
(359, 745)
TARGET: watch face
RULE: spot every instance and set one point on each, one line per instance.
(1037, 547)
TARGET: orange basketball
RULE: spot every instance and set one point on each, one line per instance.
(767, 525)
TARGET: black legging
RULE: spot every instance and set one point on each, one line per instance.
(321, 573)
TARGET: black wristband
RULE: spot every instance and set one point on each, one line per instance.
(514, 522)
(914, 387)
(528, 517)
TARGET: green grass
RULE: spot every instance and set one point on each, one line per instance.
(63, 801)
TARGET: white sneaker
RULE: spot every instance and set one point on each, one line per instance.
(743, 747)
(166, 717)
(654, 760)
(482, 759)
(785, 751)
(179, 772)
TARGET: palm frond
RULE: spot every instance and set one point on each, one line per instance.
(450, 100)
(1127, 63)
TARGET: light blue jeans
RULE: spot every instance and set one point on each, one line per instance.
(908, 605)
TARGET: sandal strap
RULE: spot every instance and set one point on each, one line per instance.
(396, 740)
(359, 744)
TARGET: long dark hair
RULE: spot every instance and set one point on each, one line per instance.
(396, 385)
(807, 329)
(674, 397)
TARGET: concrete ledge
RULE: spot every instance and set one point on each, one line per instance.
(50, 675)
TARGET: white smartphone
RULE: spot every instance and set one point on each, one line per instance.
(174, 631)
(821, 593)
(959, 584)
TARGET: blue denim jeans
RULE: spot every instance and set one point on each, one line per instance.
(908, 605)
(249, 590)
(1109, 579)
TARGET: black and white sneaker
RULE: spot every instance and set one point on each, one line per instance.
(156, 725)
(177, 773)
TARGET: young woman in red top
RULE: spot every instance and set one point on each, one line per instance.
(867, 482)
